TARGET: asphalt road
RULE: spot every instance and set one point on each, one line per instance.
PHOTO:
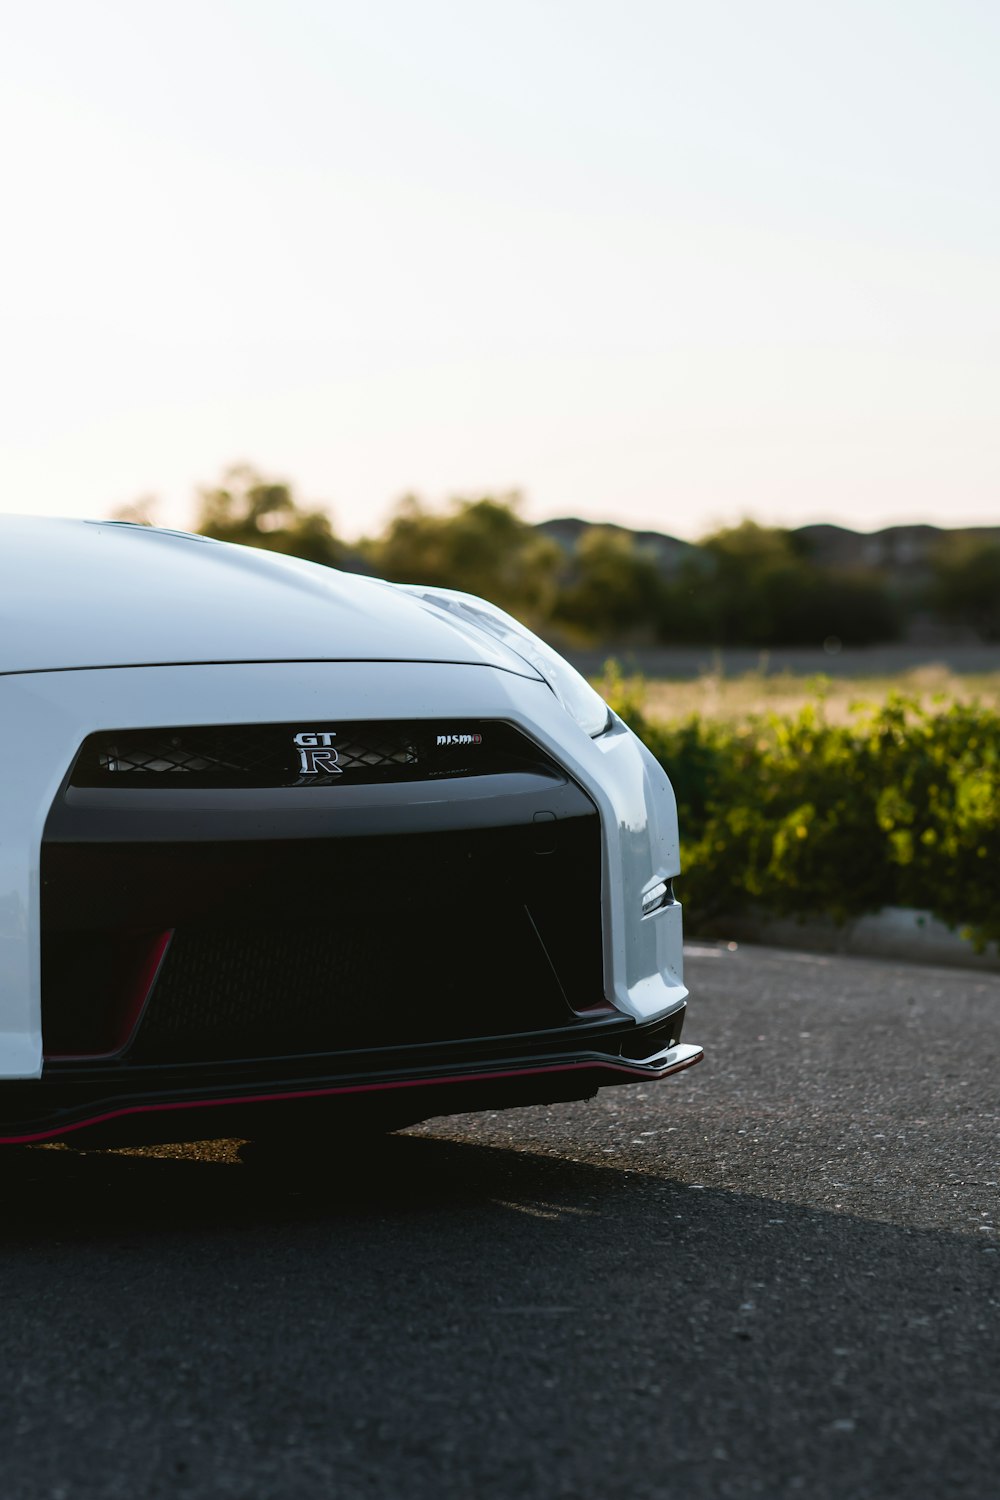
(774, 1275)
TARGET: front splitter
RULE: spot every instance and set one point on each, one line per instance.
(199, 1114)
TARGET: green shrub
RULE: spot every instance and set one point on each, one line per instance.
(898, 807)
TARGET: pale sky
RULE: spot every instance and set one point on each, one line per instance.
(664, 263)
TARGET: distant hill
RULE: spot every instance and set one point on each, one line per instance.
(902, 554)
(669, 551)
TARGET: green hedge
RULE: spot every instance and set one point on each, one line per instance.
(798, 816)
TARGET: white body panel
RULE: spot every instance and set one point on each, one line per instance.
(65, 645)
(45, 716)
(104, 594)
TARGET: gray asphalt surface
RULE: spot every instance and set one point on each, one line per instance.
(773, 1275)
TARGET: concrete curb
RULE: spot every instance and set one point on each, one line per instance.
(895, 932)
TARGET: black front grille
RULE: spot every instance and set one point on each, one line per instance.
(302, 990)
(326, 753)
(283, 949)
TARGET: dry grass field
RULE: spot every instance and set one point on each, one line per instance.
(736, 698)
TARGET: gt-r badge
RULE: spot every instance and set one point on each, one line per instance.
(317, 755)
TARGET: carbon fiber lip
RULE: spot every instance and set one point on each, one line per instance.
(612, 1028)
(671, 1060)
(68, 1098)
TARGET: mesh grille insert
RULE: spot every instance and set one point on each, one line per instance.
(322, 754)
(288, 948)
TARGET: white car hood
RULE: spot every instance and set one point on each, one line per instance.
(80, 594)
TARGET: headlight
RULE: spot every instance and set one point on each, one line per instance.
(574, 692)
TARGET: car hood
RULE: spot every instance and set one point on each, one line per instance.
(78, 594)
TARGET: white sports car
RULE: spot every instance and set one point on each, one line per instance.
(279, 844)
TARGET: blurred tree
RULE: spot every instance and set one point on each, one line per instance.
(851, 607)
(259, 512)
(745, 585)
(753, 585)
(612, 588)
(480, 546)
(966, 589)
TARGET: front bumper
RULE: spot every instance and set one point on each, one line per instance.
(47, 716)
(109, 1106)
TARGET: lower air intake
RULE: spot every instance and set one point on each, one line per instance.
(293, 948)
